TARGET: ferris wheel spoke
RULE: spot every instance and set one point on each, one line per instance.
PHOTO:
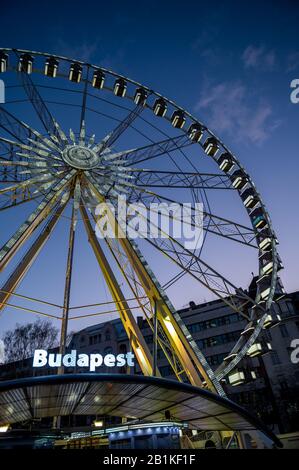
(112, 137)
(26, 190)
(9, 249)
(14, 126)
(187, 260)
(38, 104)
(212, 223)
(84, 103)
(9, 204)
(33, 152)
(175, 179)
(148, 152)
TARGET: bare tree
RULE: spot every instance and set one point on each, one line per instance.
(22, 341)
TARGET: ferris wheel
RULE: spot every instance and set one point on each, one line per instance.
(84, 135)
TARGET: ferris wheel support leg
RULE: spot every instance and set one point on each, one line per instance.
(165, 315)
(139, 345)
(131, 280)
(28, 259)
(67, 290)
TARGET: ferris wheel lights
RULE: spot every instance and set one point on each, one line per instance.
(248, 331)
(211, 146)
(51, 67)
(265, 243)
(25, 63)
(120, 87)
(230, 357)
(3, 61)
(249, 198)
(253, 374)
(236, 378)
(267, 262)
(140, 96)
(178, 119)
(271, 321)
(195, 132)
(160, 107)
(258, 218)
(75, 73)
(98, 79)
(264, 284)
(268, 268)
(225, 162)
(255, 350)
(169, 326)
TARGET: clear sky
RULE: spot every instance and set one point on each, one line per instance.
(229, 63)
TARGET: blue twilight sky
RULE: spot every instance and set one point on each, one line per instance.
(229, 63)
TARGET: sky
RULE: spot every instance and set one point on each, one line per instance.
(229, 63)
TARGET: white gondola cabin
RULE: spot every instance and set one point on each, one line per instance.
(211, 146)
(120, 88)
(75, 73)
(25, 63)
(98, 79)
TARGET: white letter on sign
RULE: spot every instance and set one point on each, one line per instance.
(40, 358)
(95, 361)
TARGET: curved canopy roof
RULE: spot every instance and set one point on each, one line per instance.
(132, 396)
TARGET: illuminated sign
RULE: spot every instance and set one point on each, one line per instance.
(42, 358)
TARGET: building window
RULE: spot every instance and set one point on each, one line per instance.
(94, 339)
(275, 358)
(214, 323)
(219, 339)
(284, 331)
(107, 336)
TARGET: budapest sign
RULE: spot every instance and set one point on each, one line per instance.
(42, 358)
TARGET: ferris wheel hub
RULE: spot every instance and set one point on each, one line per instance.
(80, 157)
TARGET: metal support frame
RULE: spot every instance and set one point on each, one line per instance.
(138, 291)
(139, 345)
(155, 342)
(67, 288)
